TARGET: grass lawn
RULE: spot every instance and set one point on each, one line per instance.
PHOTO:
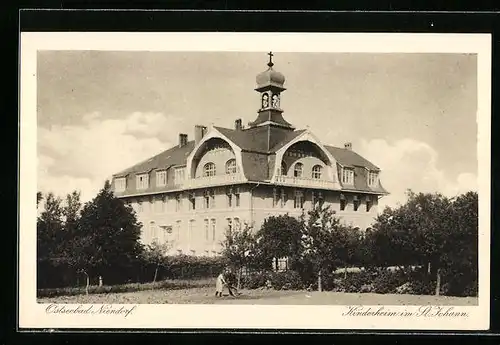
(205, 295)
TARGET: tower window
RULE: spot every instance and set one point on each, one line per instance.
(316, 172)
(209, 169)
(297, 171)
(231, 166)
(265, 100)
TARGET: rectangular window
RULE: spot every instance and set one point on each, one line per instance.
(343, 202)
(369, 203)
(214, 227)
(140, 207)
(356, 202)
(207, 253)
(283, 198)
(179, 175)
(299, 199)
(163, 204)
(347, 176)
(191, 230)
(158, 204)
(161, 178)
(206, 228)
(142, 181)
(229, 196)
(372, 179)
(192, 201)
(209, 196)
(275, 197)
(237, 197)
(120, 184)
(178, 202)
(178, 230)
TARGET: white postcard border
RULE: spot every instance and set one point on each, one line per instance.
(33, 315)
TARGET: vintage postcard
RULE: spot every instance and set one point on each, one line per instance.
(255, 181)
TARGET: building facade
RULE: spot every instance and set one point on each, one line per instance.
(191, 194)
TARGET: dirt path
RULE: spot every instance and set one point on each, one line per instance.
(206, 296)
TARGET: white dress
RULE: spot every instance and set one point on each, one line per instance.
(219, 285)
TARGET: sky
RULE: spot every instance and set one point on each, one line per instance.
(412, 114)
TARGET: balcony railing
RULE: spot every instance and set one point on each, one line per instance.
(304, 182)
(213, 180)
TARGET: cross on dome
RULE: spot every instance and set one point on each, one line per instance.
(270, 64)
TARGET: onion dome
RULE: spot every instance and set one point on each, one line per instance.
(270, 76)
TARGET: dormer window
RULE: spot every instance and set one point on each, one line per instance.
(209, 169)
(316, 172)
(297, 170)
(348, 176)
(161, 178)
(120, 184)
(372, 179)
(231, 166)
(142, 181)
(179, 175)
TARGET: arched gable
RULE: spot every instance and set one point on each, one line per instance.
(213, 133)
(307, 136)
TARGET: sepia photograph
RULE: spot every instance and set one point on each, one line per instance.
(257, 177)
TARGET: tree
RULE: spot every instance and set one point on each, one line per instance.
(429, 229)
(39, 198)
(108, 236)
(324, 241)
(238, 248)
(279, 237)
(154, 253)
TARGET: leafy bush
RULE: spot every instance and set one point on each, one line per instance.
(256, 280)
(288, 280)
(388, 281)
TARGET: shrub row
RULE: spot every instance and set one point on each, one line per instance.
(375, 281)
(131, 287)
(172, 267)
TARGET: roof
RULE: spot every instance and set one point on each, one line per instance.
(258, 162)
(347, 157)
(168, 158)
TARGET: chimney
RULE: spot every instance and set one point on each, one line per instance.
(199, 133)
(238, 125)
(348, 146)
(183, 138)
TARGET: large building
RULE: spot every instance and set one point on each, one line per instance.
(191, 194)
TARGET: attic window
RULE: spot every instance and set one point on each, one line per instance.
(161, 178)
(120, 184)
(142, 181)
(297, 171)
(209, 169)
(348, 176)
(179, 175)
(231, 166)
(372, 178)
